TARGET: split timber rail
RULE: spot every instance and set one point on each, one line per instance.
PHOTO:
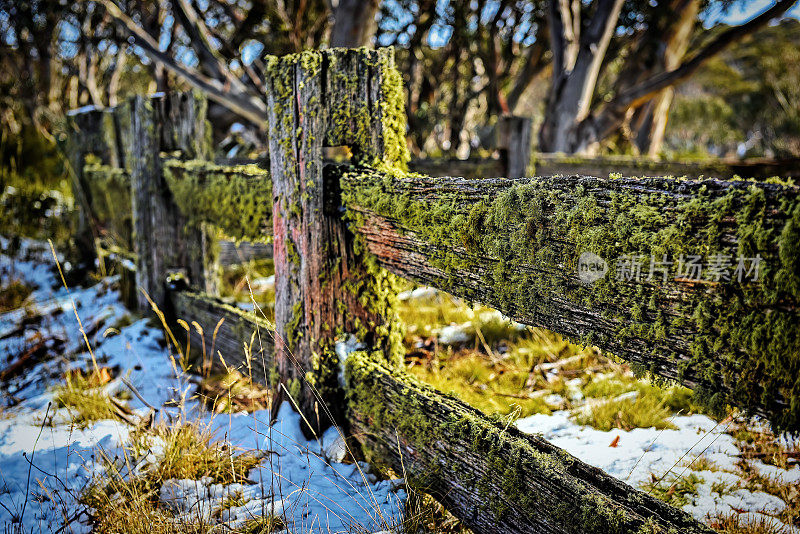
(342, 232)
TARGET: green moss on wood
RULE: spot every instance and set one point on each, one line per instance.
(738, 343)
(238, 199)
(638, 166)
(374, 136)
(393, 113)
(398, 412)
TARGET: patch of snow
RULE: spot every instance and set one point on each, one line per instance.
(343, 350)
(453, 334)
(334, 446)
(262, 284)
(641, 453)
(418, 293)
(45, 462)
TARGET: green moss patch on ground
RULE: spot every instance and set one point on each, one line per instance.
(13, 294)
(504, 369)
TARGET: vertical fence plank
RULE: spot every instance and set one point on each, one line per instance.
(163, 242)
(514, 141)
(89, 132)
(324, 290)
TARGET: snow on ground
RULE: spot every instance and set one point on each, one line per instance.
(46, 462)
(44, 467)
(643, 452)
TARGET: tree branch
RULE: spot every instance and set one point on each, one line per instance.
(534, 64)
(116, 75)
(594, 43)
(245, 105)
(637, 95)
(200, 39)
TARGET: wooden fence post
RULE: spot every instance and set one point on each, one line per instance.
(90, 131)
(514, 142)
(324, 290)
(163, 242)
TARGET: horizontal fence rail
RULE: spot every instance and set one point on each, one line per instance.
(235, 199)
(502, 164)
(550, 164)
(692, 280)
(695, 281)
(245, 340)
(491, 475)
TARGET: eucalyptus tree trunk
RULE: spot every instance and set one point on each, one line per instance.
(654, 63)
(354, 23)
(650, 133)
(578, 52)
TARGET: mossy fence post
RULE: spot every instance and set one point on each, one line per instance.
(324, 289)
(163, 242)
(90, 132)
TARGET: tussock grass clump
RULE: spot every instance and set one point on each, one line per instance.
(765, 446)
(188, 453)
(627, 403)
(424, 316)
(732, 523)
(126, 498)
(83, 396)
(424, 515)
(675, 398)
(492, 387)
(263, 525)
(677, 491)
(788, 492)
(700, 463)
(13, 294)
(643, 411)
(136, 514)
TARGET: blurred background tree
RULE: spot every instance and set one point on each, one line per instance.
(599, 76)
(744, 102)
(464, 64)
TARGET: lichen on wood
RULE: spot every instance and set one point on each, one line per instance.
(515, 244)
(236, 199)
(492, 476)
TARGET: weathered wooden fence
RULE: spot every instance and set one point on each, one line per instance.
(535, 248)
(513, 158)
